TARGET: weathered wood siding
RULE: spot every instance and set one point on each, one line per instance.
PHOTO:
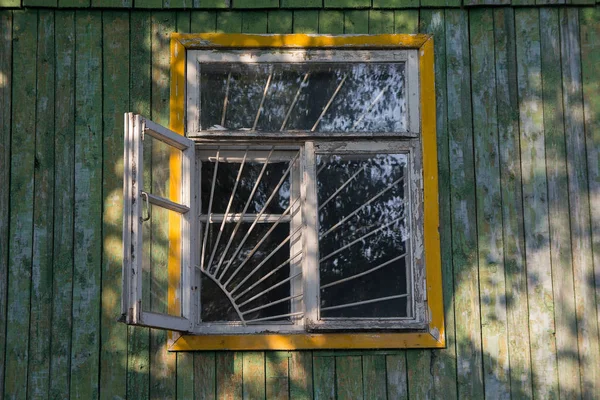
(518, 123)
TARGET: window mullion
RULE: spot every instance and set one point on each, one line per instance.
(311, 229)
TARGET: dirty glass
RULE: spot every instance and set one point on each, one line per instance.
(363, 236)
(309, 97)
(248, 237)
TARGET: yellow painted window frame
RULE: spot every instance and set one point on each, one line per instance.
(435, 337)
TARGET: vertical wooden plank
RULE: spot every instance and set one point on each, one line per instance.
(85, 349)
(348, 377)
(185, 376)
(138, 344)
(112, 3)
(212, 3)
(356, 21)
(21, 203)
(113, 355)
(277, 374)
(205, 378)
(441, 3)
(73, 3)
(581, 243)
(163, 364)
(254, 22)
(374, 377)
(420, 380)
(229, 375)
(512, 203)
(185, 360)
(280, 21)
(203, 21)
(253, 375)
(407, 21)
(535, 200)
(229, 22)
(462, 180)
(301, 375)
(492, 290)
(255, 3)
(590, 70)
(43, 209)
(442, 362)
(558, 204)
(395, 3)
(306, 21)
(396, 377)
(331, 22)
(64, 198)
(301, 3)
(146, 3)
(324, 377)
(347, 3)
(381, 22)
(5, 109)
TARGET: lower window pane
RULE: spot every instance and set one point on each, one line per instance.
(250, 278)
(364, 236)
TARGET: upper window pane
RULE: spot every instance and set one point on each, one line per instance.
(306, 97)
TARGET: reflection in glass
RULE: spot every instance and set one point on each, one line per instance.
(363, 235)
(319, 97)
(248, 273)
(155, 258)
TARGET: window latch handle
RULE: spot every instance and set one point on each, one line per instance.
(148, 212)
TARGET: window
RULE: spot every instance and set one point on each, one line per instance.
(299, 210)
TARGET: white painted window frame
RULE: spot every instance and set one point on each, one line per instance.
(135, 200)
(310, 145)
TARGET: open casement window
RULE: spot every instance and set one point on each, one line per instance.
(157, 226)
(297, 207)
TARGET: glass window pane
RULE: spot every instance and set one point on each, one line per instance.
(160, 242)
(363, 235)
(227, 173)
(320, 97)
(250, 271)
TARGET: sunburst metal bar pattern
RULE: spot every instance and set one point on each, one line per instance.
(360, 303)
(249, 290)
(343, 186)
(353, 213)
(352, 243)
(226, 100)
(339, 87)
(274, 270)
(210, 202)
(263, 210)
(237, 181)
(289, 112)
(295, 314)
(267, 258)
(371, 270)
(269, 289)
(239, 223)
(262, 101)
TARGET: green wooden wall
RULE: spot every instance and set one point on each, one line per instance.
(518, 118)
